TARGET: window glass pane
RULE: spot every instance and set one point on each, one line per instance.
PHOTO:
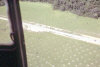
(62, 33)
(4, 24)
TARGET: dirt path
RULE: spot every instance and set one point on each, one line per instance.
(35, 27)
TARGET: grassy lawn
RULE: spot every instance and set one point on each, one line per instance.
(4, 32)
(43, 13)
(48, 50)
(3, 11)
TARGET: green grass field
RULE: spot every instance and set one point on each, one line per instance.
(49, 50)
(43, 13)
(4, 32)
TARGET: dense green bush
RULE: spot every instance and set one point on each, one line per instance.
(2, 3)
(90, 8)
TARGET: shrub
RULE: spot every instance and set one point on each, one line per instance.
(2, 3)
(88, 8)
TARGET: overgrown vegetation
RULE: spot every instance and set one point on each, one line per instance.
(90, 8)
